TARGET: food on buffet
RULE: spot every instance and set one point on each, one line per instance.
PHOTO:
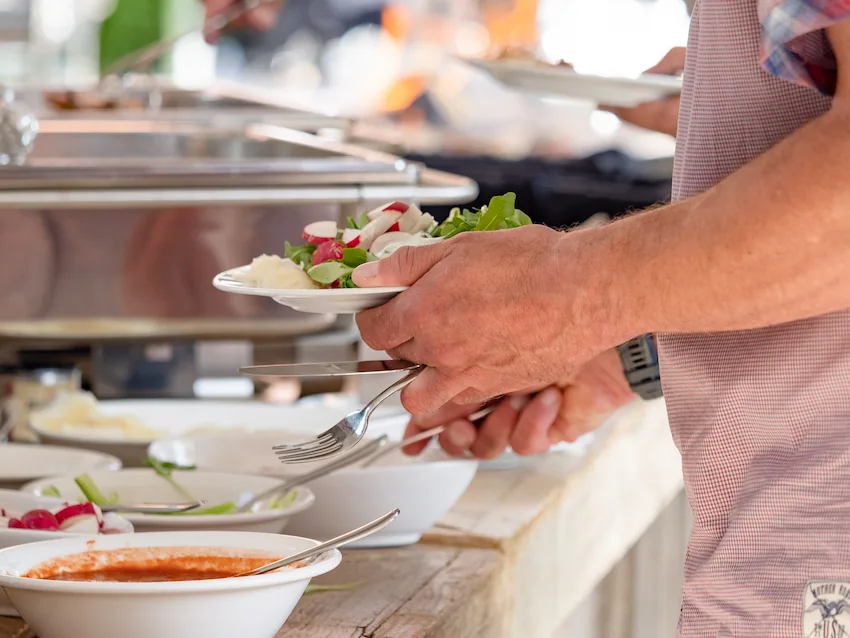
(331, 254)
(93, 495)
(77, 518)
(142, 565)
(77, 414)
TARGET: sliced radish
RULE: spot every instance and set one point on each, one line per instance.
(376, 228)
(392, 207)
(114, 524)
(410, 220)
(66, 515)
(388, 239)
(351, 237)
(319, 232)
(328, 250)
(83, 524)
(15, 523)
(426, 223)
(40, 519)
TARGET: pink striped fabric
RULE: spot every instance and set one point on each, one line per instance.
(762, 418)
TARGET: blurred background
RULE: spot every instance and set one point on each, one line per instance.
(395, 63)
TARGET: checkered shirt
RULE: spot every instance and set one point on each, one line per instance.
(762, 417)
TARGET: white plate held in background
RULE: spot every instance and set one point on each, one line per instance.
(544, 80)
(337, 301)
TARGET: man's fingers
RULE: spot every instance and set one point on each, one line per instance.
(415, 448)
(442, 416)
(386, 327)
(458, 437)
(531, 435)
(585, 408)
(430, 391)
(672, 63)
(494, 433)
(263, 18)
(403, 268)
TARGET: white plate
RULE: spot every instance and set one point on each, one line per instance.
(24, 462)
(175, 417)
(423, 488)
(557, 81)
(339, 301)
(247, 607)
(144, 486)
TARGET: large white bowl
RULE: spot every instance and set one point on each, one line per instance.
(24, 462)
(174, 417)
(144, 486)
(247, 607)
(21, 503)
(423, 488)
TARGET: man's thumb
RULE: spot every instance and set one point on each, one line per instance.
(403, 268)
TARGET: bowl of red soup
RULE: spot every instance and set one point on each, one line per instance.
(164, 584)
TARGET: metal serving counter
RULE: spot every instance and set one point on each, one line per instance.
(113, 228)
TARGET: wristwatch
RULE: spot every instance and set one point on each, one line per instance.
(640, 363)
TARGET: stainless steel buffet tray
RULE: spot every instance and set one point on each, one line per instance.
(105, 163)
(222, 102)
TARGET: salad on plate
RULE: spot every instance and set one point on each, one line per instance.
(330, 254)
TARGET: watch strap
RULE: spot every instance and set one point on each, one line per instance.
(640, 363)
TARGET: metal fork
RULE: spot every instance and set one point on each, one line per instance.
(345, 434)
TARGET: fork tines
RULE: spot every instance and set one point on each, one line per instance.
(321, 447)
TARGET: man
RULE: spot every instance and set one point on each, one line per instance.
(743, 279)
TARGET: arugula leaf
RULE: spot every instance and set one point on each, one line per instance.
(360, 222)
(354, 257)
(501, 207)
(521, 218)
(165, 472)
(301, 255)
(329, 271)
(51, 491)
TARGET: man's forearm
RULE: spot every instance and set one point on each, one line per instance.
(768, 245)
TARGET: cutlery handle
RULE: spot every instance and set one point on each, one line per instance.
(321, 548)
(399, 385)
(289, 484)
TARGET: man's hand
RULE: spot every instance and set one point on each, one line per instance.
(662, 115)
(263, 18)
(490, 313)
(562, 412)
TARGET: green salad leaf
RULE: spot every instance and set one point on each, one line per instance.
(301, 255)
(329, 271)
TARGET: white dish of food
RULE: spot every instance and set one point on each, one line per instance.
(220, 492)
(213, 607)
(561, 81)
(125, 428)
(424, 488)
(23, 520)
(24, 462)
(316, 276)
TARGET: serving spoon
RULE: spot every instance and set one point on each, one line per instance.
(343, 539)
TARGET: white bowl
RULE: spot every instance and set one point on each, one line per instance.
(21, 502)
(423, 488)
(144, 486)
(24, 462)
(248, 607)
(174, 417)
